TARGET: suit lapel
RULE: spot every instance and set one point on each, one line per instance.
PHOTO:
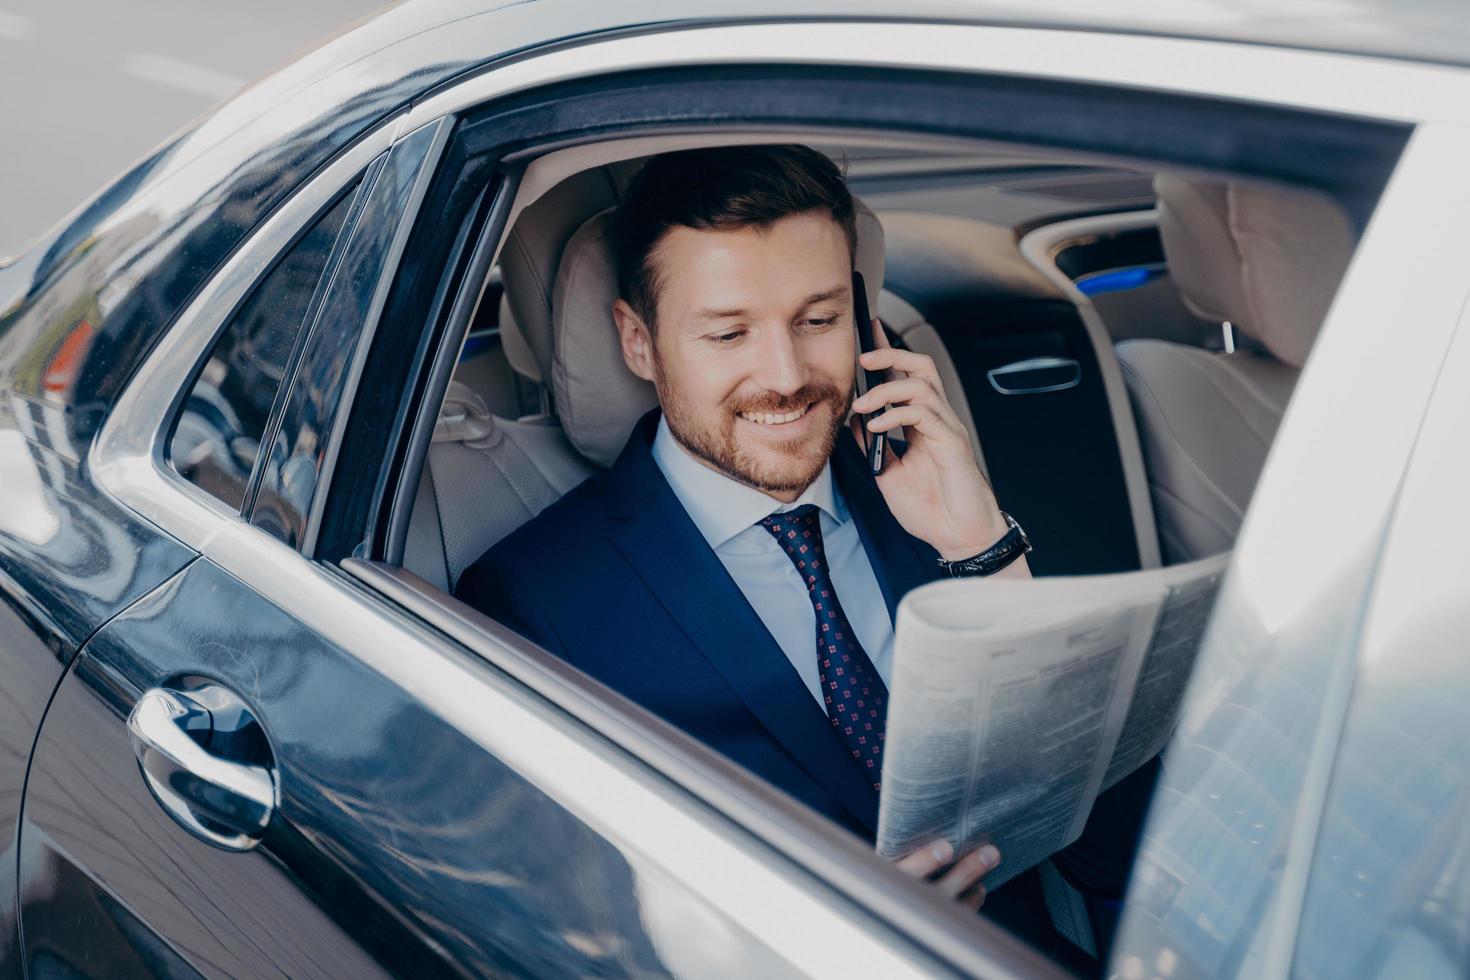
(900, 562)
(658, 539)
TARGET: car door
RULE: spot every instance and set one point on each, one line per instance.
(101, 886)
(265, 768)
(70, 557)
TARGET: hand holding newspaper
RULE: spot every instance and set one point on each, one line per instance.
(1014, 703)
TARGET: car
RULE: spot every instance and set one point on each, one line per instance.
(266, 396)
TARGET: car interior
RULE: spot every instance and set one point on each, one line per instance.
(1121, 341)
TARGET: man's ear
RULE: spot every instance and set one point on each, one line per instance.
(636, 340)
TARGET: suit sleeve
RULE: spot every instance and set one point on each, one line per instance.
(503, 595)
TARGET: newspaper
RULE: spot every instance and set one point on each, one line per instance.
(1013, 703)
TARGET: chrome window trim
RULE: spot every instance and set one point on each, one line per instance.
(323, 290)
(503, 717)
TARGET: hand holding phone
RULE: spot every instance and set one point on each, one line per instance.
(876, 442)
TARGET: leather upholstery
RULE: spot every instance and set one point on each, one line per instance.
(1268, 260)
(483, 477)
(513, 341)
(1206, 422)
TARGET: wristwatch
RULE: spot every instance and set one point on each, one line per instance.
(1012, 545)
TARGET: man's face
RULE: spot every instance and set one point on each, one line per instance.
(753, 356)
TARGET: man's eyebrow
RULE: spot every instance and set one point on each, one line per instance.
(836, 292)
(718, 315)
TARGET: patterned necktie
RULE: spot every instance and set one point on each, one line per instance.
(857, 701)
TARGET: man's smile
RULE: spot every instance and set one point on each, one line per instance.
(776, 419)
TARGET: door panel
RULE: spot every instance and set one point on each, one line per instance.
(397, 840)
(69, 558)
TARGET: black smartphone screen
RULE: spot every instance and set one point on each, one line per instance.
(867, 380)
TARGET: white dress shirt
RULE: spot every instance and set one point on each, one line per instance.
(727, 513)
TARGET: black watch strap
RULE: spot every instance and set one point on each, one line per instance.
(1012, 545)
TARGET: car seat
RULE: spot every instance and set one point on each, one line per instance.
(1267, 260)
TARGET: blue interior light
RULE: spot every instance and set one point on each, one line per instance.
(1116, 280)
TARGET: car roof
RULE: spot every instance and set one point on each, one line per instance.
(1418, 30)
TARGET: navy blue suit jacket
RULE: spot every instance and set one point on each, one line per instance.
(616, 579)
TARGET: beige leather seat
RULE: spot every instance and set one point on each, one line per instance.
(1268, 260)
(483, 477)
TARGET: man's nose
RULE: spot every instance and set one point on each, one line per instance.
(780, 368)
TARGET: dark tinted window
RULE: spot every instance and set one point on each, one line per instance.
(217, 435)
(300, 446)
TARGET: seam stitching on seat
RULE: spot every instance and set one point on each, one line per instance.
(558, 359)
(543, 295)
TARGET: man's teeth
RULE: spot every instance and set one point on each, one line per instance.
(768, 418)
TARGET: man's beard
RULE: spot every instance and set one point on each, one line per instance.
(716, 444)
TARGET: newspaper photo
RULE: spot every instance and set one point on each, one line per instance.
(1013, 703)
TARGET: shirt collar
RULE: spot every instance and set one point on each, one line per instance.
(722, 507)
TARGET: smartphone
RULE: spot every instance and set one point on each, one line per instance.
(877, 442)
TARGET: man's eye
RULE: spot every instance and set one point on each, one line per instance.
(822, 323)
(727, 338)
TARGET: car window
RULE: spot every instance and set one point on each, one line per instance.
(300, 446)
(217, 434)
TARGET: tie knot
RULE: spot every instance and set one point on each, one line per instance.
(791, 524)
(799, 533)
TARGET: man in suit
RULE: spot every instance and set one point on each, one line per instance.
(737, 569)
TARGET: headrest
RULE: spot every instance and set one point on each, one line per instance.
(1266, 258)
(528, 262)
(597, 398)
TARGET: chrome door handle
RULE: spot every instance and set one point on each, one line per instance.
(228, 804)
(1036, 376)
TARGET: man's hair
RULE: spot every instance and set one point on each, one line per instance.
(720, 188)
